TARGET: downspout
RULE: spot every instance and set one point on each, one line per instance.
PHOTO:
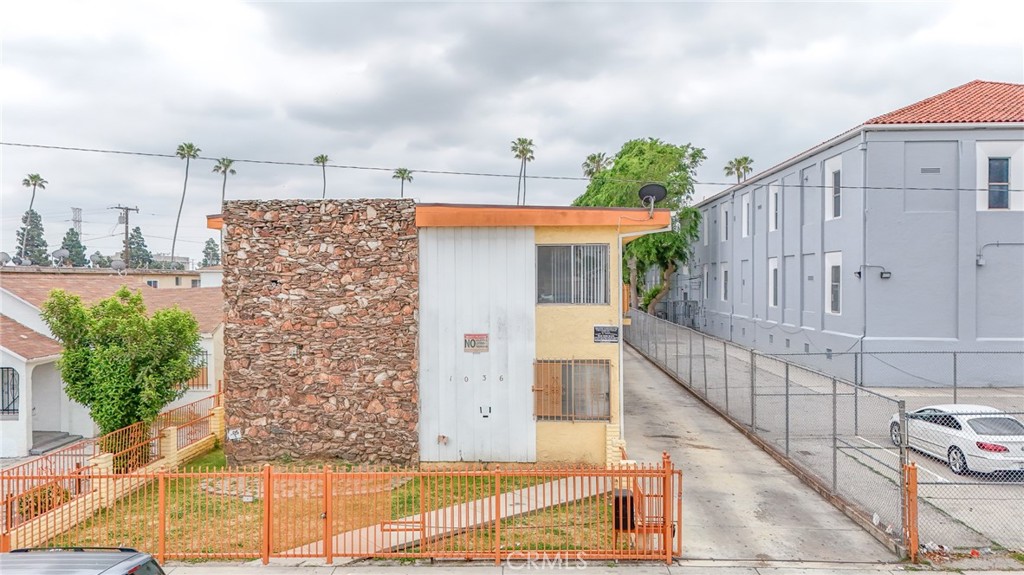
(622, 343)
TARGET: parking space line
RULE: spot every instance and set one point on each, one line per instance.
(897, 456)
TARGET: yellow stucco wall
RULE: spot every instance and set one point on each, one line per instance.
(567, 332)
(571, 442)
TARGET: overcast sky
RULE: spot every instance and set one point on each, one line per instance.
(441, 87)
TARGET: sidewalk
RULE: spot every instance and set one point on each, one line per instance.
(685, 567)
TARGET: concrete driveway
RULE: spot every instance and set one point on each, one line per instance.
(738, 503)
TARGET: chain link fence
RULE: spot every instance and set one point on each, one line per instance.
(814, 411)
(829, 428)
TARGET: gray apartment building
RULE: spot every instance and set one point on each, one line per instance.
(903, 234)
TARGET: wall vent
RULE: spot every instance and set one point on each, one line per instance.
(931, 170)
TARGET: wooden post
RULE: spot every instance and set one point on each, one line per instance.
(666, 505)
(328, 515)
(267, 491)
(161, 553)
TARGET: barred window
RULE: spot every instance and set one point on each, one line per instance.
(572, 389)
(202, 379)
(572, 274)
(9, 391)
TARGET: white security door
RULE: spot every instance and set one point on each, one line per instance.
(477, 289)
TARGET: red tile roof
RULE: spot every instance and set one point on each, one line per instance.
(25, 341)
(974, 102)
(206, 304)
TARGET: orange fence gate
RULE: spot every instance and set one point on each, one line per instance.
(563, 515)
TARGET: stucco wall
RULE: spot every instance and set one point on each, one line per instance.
(321, 330)
(567, 332)
(910, 207)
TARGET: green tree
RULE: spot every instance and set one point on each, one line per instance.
(72, 242)
(32, 181)
(595, 164)
(99, 260)
(211, 254)
(137, 250)
(522, 149)
(30, 236)
(322, 159)
(739, 167)
(188, 152)
(123, 365)
(651, 160)
(404, 175)
(223, 166)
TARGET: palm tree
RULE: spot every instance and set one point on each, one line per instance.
(322, 159)
(404, 175)
(522, 148)
(32, 181)
(186, 151)
(739, 167)
(595, 164)
(224, 167)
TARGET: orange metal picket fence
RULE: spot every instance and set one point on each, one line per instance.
(568, 514)
(56, 478)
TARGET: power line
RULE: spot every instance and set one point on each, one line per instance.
(464, 173)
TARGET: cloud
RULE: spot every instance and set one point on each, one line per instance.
(443, 87)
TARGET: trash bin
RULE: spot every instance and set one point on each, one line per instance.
(622, 515)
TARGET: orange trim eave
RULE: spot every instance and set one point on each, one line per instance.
(214, 221)
(468, 216)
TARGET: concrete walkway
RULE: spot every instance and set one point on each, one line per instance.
(410, 532)
(738, 503)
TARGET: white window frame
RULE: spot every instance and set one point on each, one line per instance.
(725, 281)
(987, 150)
(153, 283)
(745, 215)
(833, 165)
(575, 281)
(773, 282)
(833, 305)
(773, 207)
(723, 226)
(706, 287)
(704, 226)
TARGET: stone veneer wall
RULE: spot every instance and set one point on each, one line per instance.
(321, 331)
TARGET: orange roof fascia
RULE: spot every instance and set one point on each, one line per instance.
(468, 216)
(215, 221)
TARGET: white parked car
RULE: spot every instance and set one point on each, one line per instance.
(971, 438)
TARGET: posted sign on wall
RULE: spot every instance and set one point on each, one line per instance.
(606, 334)
(474, 342)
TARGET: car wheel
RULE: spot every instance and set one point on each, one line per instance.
(957, 461)
(894, 434)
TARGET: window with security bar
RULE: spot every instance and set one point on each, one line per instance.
(572, 390)
(202, 379)
(9, 391)
(572, 274)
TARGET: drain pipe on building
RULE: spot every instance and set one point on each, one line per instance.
(622, 333)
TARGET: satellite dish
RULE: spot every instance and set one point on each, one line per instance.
(4, 258)
(651, 194)
(118, 265)
(95, 258)
(23, 261)
(61, 254)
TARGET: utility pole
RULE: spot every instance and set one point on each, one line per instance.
(124, 217)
